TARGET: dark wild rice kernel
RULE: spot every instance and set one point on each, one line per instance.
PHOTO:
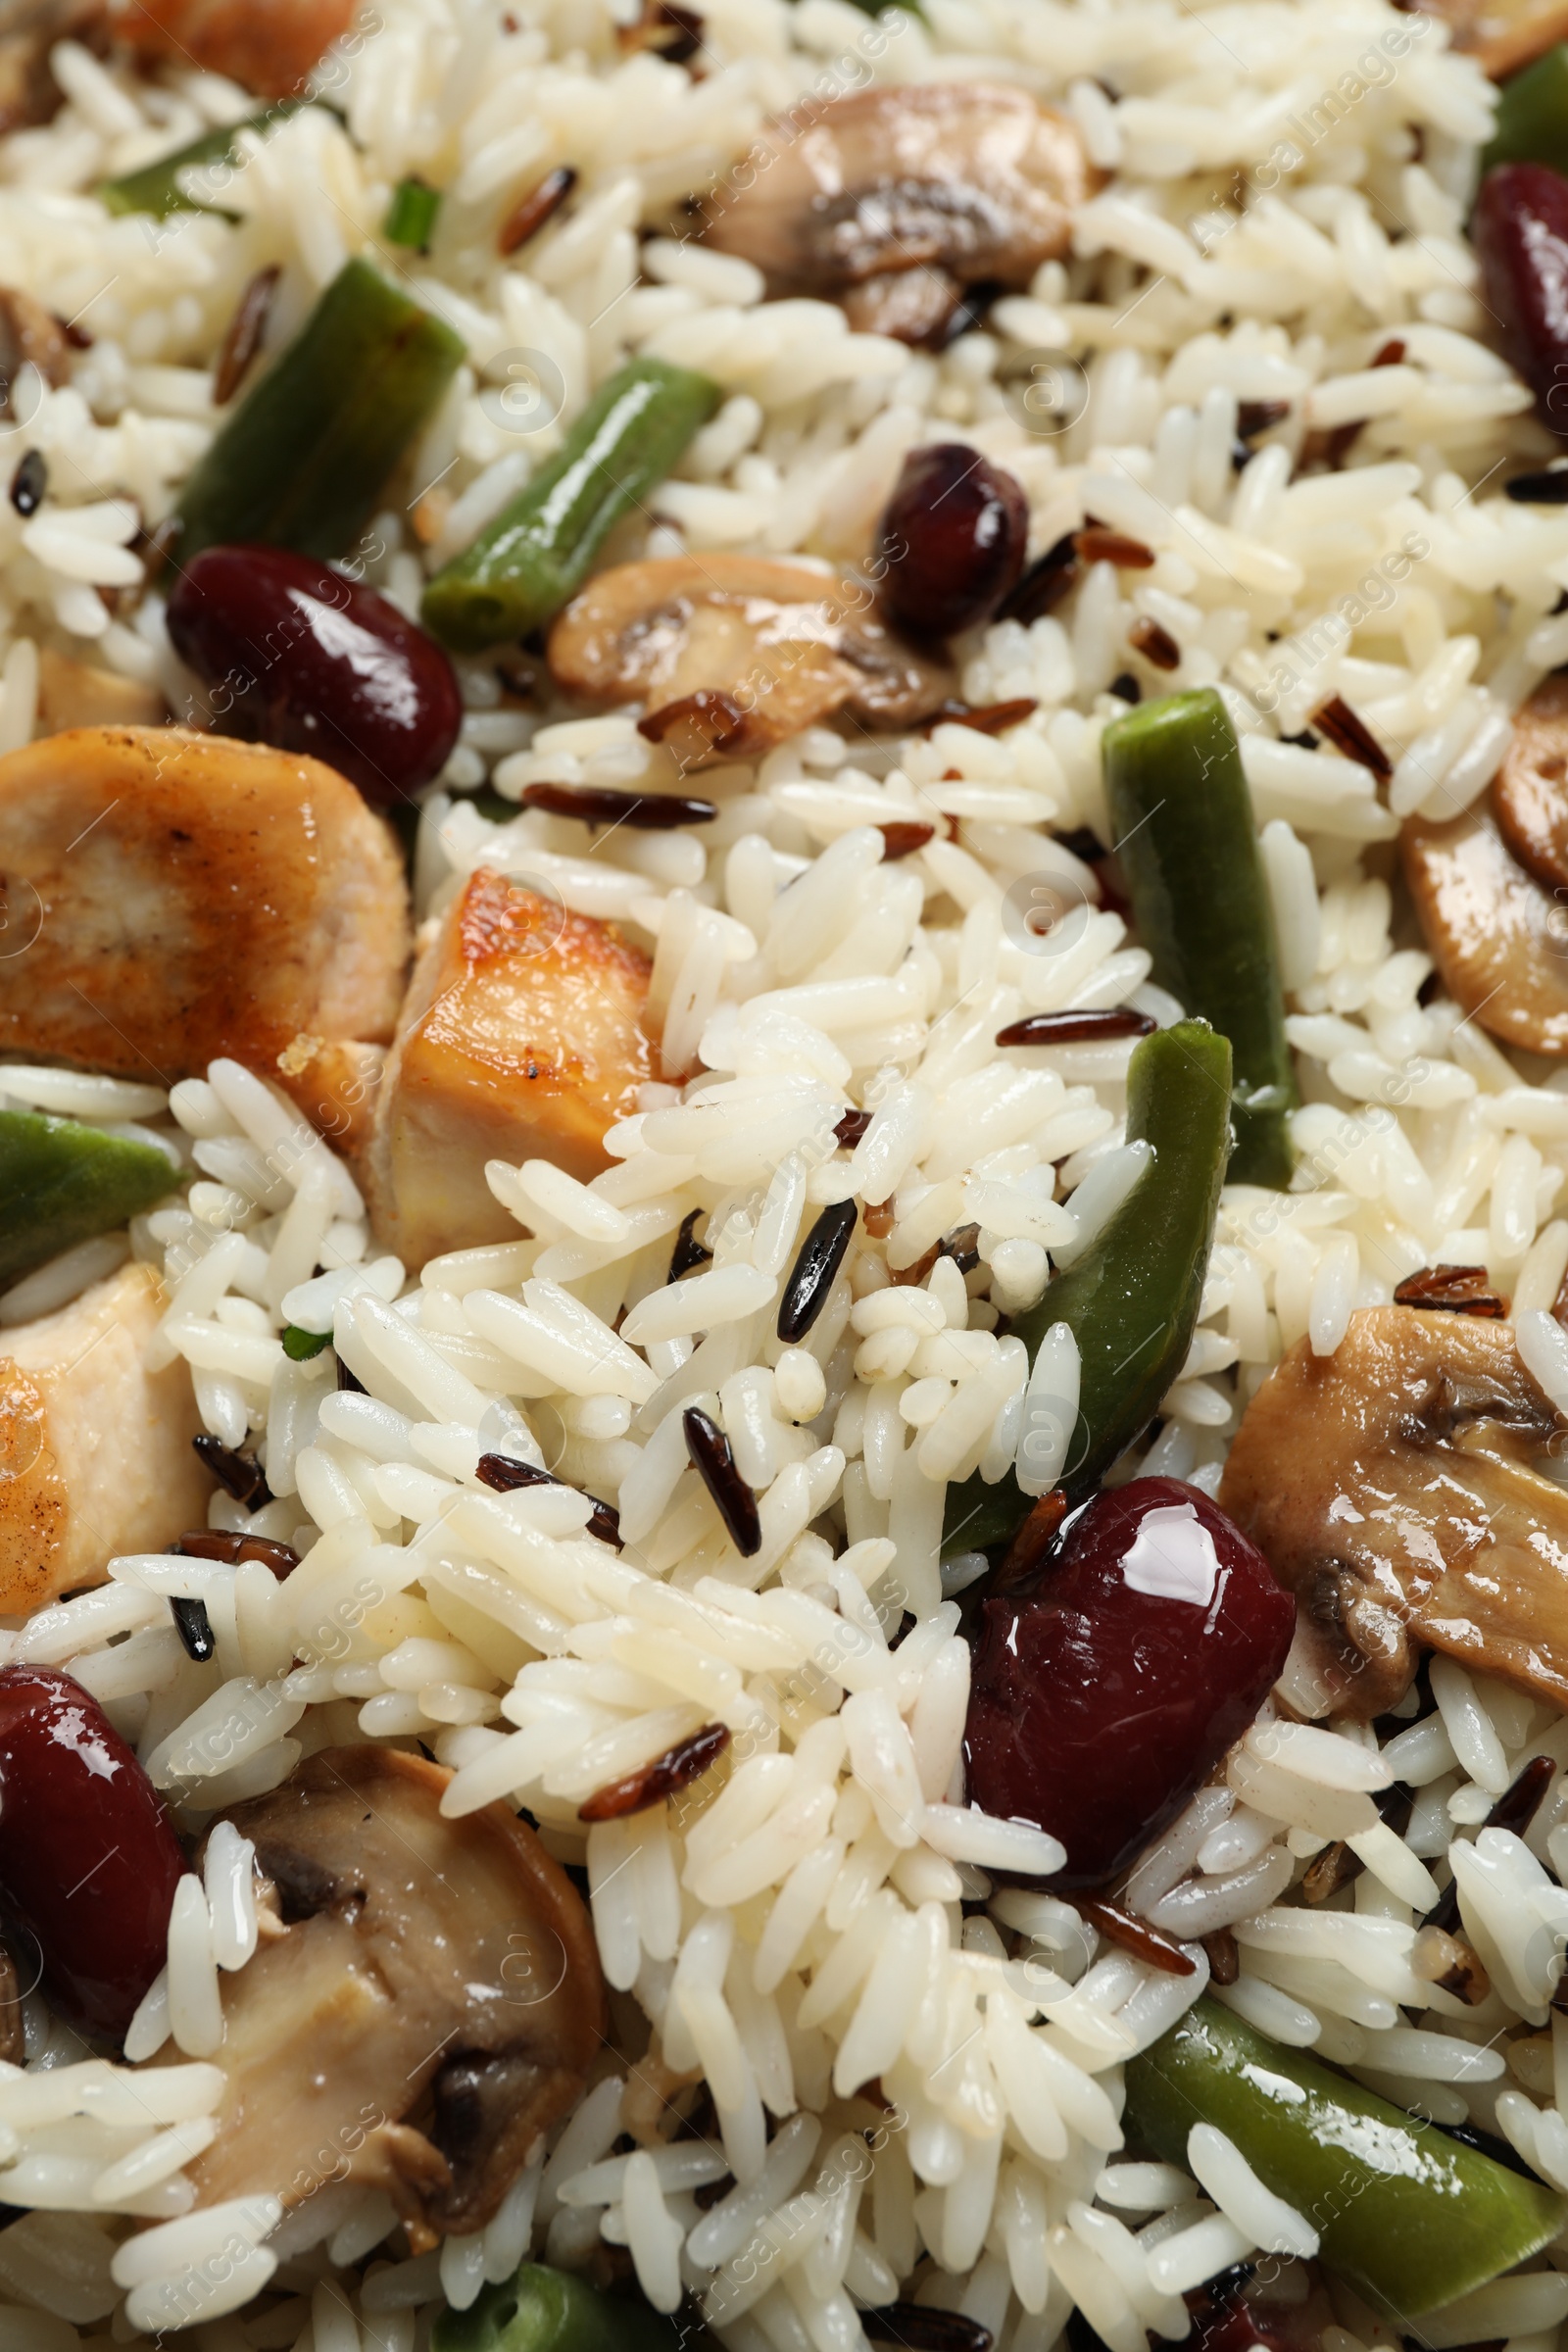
(1254, 416)
(1352, 735)
(816, 1263)
(29, 481)
(193, 1625)
(218, 1543)
(922, 2327)
(986, 718)
(599, 805)
(1156, 645)
(902, 839)
(1224, 1956)
(1514, 1810)
(350, 1381)
(1126, 689)
(1327, 1872)
(1076, 1028)
(715, 720)
(1051, 577)
(1098, 545)
(502, 1473)
(1488, 2143)
(714, 1463)
(962, 1245)
(851, 1127)
(243, 340)
(954, 535)
(1033, 1541)
(1550, 489)
(238, 1474)
(666, 1776)
(1081, 841)
(688, 1252)
(1457, 1290)
(1137, 1937)
(879, 1219)
(529, 214)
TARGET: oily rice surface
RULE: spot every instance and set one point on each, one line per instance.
(1283, 205)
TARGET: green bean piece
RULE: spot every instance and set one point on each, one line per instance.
(538, 551)
(1532, 125)
(62, 1182)
(306, 454)
(1188, 846)
(299, 1345)
(1131, 1300)
(156, 188)
(1411, 2217)
(541, 2310)
(411, 216)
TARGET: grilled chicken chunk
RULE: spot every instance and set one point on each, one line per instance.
(96, 1449)
(166, 898)
(521, 1039)
(269, 46)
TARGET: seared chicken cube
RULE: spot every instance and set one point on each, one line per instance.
(167, 898)
(95, 1447)
(522, 1039)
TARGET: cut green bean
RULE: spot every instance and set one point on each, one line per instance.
(541, 2310)
(411, 216)
(62, 1181)
(537, 553)
(1411, 2217)
(1532, 122)
(308, 451)
(157, 187)
(1187, 843)
(1131, 1301)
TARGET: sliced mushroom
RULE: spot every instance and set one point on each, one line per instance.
(962, 181)
(774, 646)
(28, 30)
(1502, 36)
(432, 2007)
(1388, 1485)
(1530, 790)
(1499, 939)
(29, 336)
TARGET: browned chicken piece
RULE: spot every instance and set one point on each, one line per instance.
(78, 694)
(96, 1449)
(959, 181)
(29, 336)
(1388, 1485)
(267, 46)
(734, 654)
(1530, 790)
(522, 1039)
(1500, 938)
(430, 2009)
(28, 30)
(1502, 36)
(180, 896)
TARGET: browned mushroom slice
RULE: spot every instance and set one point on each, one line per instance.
(970, 180)
(772, 647)
(1530, 790)
(430, 2008)
(1388, 1485)
(1502, 36)
(29, 336)
(28, 30)
(910, 306)
(1497, 938)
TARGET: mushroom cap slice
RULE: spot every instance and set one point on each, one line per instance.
(785, 646)
(974, 178)
(1530, 790)
(1502, 36)
(1388, 1485)
(432, 2007)
(1497, 936)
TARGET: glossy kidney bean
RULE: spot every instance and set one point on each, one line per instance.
(293, 653)
(1099, 1703)
(953, 540)
(88, 1857)
(1520, 231)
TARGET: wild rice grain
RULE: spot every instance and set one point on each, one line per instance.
(714, 1462)
(238, 1474)
(666, 1776)
(925, 2328)
(1075, 1028)
(193, 1627)
(503, 1474)
(815, 1270)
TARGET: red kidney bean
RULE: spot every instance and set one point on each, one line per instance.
(293, 653)
(88, 1857)
(1520, 229)
(1101, 1703)
(953, 540)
